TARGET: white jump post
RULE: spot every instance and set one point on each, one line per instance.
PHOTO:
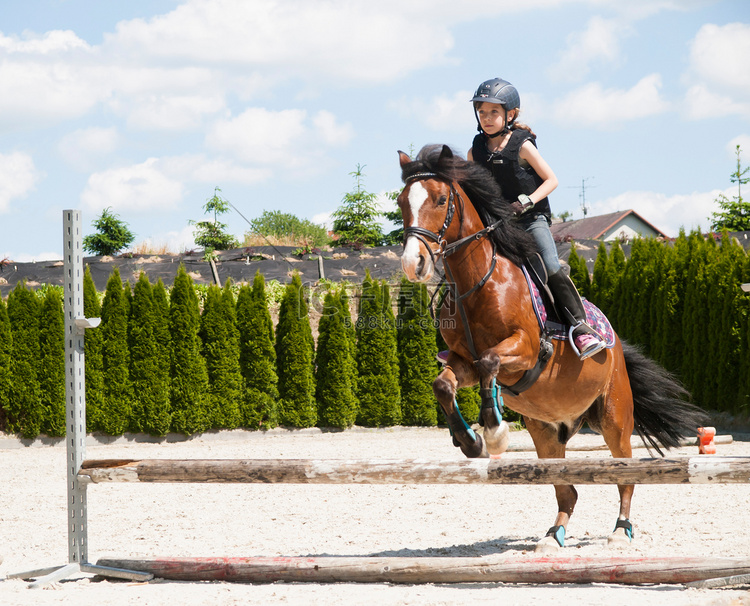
(75, 418)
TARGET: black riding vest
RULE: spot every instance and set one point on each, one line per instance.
(505, 166)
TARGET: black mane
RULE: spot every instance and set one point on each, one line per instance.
(511, 241)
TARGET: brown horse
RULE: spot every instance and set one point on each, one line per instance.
(488, 322)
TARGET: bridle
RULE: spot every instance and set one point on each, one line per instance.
(445, 249)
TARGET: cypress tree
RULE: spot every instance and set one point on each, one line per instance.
(744, 324)
(257, 356)
(221, 351)
(6, 352)
(162, 413)
(696, 319)
(724, 301)
(579, 273)
(52, 361)
(93, 343)
(417, 348)
(294, 357)
(117, 405)
(150, 382)
(378, 390)
(25, 413)
(335, 380)
(189, 385)
(673, 305)
(598, 290)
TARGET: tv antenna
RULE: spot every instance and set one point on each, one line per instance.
(582, 195)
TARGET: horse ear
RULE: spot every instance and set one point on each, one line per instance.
(403, 159)
(445, 154)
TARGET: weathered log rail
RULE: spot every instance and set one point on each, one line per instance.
(701, 469)
(492, 569)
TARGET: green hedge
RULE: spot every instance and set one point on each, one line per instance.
(158, 363)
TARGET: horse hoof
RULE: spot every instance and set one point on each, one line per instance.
(618, 539)
(497, 439)
(476, 450)
(547, 545)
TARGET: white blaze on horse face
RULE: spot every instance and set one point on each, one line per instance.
(411, 261)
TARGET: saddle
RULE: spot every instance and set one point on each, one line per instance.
(550, 323)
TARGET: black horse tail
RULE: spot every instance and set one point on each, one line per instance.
(660, 408)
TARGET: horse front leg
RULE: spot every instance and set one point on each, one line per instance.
(512, 355)
(496, 432)
(457, 374)
(548, 446)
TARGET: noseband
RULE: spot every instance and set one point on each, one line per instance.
(422, 234)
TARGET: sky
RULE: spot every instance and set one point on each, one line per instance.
(146, 106)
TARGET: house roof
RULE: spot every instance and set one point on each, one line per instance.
(594, 228)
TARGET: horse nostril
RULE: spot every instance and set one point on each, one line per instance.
(420, 267)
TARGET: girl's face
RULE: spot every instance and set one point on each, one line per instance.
(491, 117)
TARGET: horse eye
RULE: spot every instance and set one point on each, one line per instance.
(442, 200)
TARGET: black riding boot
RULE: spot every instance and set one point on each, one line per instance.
(584, 339)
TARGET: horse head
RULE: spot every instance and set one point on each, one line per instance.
(427, 204)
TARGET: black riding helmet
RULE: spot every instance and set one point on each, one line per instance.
(497, 91)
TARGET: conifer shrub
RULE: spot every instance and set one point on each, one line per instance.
(257, 357)
(24, 412)
(378, 388)
(52, 363)
(335, 378)
(579, 272)
(294, 359)
(6, 351)
(148, 374)
(92, 347)
(220, 340)
(417, 348)
(118, 395)
(162, 413)
(189, 384)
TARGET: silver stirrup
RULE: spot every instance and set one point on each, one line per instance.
(591, 352)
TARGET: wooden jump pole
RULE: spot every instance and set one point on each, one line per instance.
(493, 569)
(701, 469)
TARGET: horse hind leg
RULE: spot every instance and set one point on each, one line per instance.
(445, 386)
(550, 442)
(615, 422)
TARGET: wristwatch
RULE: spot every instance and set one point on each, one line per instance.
(526, 202)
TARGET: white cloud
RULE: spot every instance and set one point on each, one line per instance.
(137, 188)
(718, 76)
(591, 105)
(84, 147)
(719, 54)
(288, 137)
(306, 38)
(32, 92)
(172, 112)
(667, 213)
(702, 103)
(442, 113)
(599, 42)
(17, 177)
(55, 41)
(201, 169)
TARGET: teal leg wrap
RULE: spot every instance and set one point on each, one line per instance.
(492, 398)
(558, 533)
(627, 526)
(457, 419)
